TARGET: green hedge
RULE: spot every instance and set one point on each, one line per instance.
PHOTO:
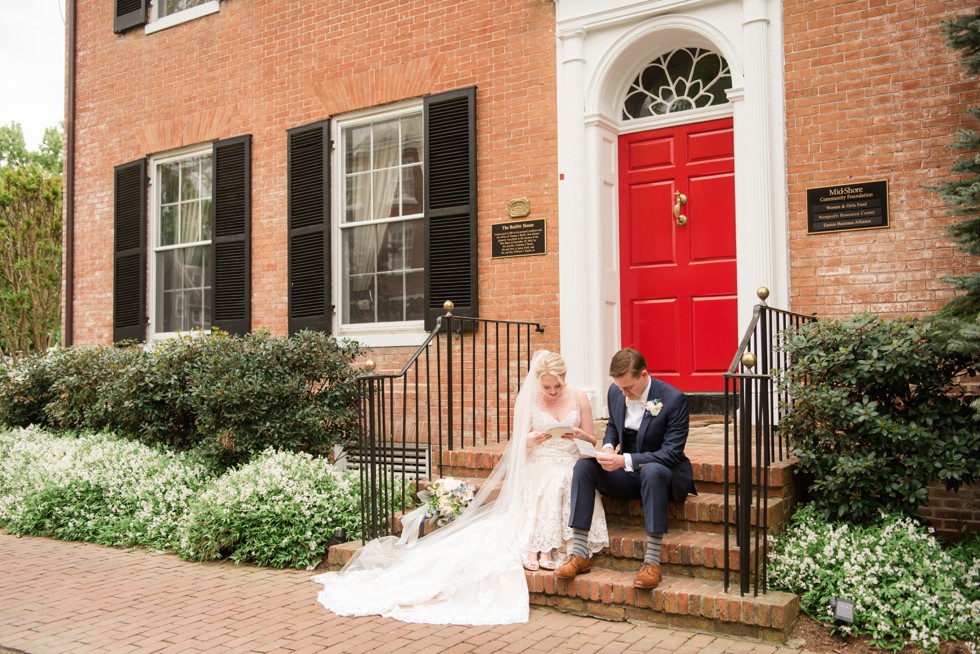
(226, 396)
(876, 415)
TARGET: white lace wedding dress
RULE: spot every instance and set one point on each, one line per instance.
(547, 497)
(468, 572)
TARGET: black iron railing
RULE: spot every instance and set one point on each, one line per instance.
(753, 442)
(456, 391)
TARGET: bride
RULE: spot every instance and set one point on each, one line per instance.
(468, 572)
(561, 415)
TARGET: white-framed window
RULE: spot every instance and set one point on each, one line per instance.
(378, 184)
(681, 80)
(180, 242)
(167, 13)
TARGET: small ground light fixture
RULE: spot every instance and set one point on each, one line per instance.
(843, 610)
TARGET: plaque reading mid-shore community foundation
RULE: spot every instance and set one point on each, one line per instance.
(862, 205)
(518, 238)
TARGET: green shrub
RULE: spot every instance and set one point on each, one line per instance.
(150, 397)
(255, 392)
(79, 377)
(279, 510)
(25, 389)
(95, 488)
(227, 397)
(875, 417)
(906, 589)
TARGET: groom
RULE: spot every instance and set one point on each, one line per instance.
(642, 456)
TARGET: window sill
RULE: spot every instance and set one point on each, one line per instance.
(184, 16)
(391, 335)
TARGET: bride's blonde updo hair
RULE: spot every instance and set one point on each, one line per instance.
(550, 364)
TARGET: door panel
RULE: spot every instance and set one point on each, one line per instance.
(677, 282)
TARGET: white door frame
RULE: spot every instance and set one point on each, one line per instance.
(599, 54)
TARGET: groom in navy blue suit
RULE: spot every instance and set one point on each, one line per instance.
(642, 457)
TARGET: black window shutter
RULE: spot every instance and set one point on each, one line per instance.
(129, 13)
(450, 204)
(308, 202)
(129, 250)
(231, 218)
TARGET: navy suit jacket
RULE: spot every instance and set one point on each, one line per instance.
(661, 438)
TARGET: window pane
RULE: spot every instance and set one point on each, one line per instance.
(190, 222)
(358, 194)
(168, 225)
(169, 176)
(359, 307)
(391, 297)
(386, 144)
(168, 7)
(412, 139)
(386, 183)
(361, 249)
(415, 295)
(357, 155)
(206, 219)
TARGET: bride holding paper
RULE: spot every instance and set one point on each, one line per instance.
(562, 431)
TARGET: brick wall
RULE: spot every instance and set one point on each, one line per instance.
(874, 93)
(262, 68)
(951, 514)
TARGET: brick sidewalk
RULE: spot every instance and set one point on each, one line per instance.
(59, 597)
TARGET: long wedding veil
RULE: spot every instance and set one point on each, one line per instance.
(466, 572)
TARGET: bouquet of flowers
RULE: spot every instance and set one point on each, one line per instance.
(446, 499)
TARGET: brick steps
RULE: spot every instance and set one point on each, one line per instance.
(691, 595)
(679, 602)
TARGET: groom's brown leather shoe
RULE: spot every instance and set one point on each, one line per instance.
(575, 565)
(648, 576)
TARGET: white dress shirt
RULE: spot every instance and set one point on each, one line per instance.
(634, 416)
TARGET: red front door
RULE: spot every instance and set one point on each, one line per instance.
(677, 276)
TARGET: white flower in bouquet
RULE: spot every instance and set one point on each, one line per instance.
(446, 499)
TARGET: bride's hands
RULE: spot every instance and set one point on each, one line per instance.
(537, 437)
(579, 434)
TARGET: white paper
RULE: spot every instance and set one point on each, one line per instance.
(585, 448)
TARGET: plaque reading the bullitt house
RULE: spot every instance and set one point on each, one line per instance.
(519, 238)
(862, 205)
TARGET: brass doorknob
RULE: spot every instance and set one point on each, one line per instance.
(679, 199)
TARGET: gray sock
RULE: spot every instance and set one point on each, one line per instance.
(652, 555)
(580, 542)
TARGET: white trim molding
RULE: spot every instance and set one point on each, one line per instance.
(600, 52)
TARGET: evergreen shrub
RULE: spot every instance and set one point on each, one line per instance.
(875, 415)
(254, 392)
(226, 396)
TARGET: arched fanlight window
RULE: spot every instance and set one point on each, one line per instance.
(685, 79)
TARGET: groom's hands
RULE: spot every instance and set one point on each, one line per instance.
(609, 460)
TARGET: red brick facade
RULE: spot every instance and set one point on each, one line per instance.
(263, 68)
(873, 92)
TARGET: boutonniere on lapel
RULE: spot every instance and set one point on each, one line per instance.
(653, 407)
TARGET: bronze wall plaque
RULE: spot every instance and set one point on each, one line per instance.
(860, 205)
(519, 238)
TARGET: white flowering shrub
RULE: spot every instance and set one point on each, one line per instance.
(279, 510)
(95, 488)
(906, 589)
(447, 499)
